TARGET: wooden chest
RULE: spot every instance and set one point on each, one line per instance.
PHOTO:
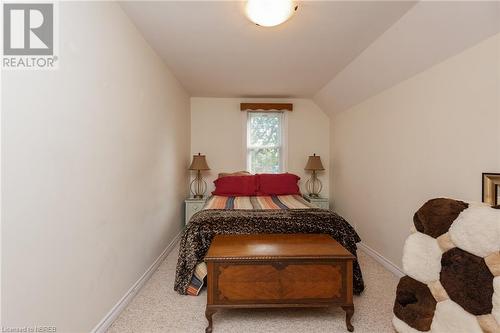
(278, 270)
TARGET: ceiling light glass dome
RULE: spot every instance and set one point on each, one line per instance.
(268, 13)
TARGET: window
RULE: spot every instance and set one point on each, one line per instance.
(265, 142)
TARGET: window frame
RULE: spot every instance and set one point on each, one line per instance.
(246, 116)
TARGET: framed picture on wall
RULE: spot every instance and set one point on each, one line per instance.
(491, 188)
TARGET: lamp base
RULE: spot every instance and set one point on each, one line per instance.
(313, 186)
(198, 186)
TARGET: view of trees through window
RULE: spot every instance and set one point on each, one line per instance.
(264, 142)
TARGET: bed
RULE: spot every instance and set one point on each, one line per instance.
(266, 214)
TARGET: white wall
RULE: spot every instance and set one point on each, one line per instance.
(218, 127)
(430, 136)
(94, 171)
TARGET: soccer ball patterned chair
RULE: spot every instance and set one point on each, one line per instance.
(452, 266)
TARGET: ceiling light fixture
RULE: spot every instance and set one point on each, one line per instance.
(268, 13)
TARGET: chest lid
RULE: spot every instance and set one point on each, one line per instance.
(275, 246)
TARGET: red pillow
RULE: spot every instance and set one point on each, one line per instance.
(278, 184)
(236, 186)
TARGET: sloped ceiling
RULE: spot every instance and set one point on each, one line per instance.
(337, 52)
(214, 50)
(428, 34)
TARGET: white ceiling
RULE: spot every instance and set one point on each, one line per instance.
(215, 51)
(337, 52)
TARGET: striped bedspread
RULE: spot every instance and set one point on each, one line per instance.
(258, 202)
(255, 203)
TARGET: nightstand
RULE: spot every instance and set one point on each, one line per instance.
(320, 202)
(192, 206)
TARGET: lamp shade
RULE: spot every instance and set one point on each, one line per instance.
(199, 163)
(314, 163)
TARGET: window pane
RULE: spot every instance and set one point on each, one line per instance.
(265, 160)
(264, 130)
(264, 136)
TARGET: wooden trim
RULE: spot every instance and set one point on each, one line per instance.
(210, 289)
(490, 182)
(266, 106)
(277, 305)
(348, 282)
(285, 258)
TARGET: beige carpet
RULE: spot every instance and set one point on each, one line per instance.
(158, 308)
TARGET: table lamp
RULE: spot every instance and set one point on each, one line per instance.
(198, 186)
(313, 184)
